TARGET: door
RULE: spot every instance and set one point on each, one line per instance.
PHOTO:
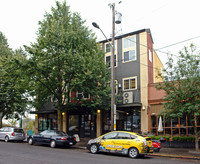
(108, 142)
(87, 124)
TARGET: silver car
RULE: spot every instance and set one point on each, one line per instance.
(12, 133)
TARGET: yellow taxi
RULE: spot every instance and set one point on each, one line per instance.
(128, 143)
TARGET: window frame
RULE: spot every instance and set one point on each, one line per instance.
(128, 49)
(82, 95)
(129, 78)
(108, 54)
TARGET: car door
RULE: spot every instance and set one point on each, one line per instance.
(40, 137)
(123, 142)
(108, 142)
(48, 136)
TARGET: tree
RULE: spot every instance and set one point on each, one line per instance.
(182, 87)
(66, 58)
(13, 84)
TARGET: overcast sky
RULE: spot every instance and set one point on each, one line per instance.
(170, 21)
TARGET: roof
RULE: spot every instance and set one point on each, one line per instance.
(49, 107)
(128, 34)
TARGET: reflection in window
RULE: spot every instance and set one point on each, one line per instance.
(74, 123)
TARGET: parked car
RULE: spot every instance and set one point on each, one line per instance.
(52, 138)
(128, 143)
(12, 133)
(156, 145)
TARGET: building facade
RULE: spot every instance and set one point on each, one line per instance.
(136, 66)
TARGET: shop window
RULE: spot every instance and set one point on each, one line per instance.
(73, 123)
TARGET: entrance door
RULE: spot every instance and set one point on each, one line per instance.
(86, 125)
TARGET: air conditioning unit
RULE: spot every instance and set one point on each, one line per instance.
(127, 97)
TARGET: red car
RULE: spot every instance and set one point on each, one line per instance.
(156, 145)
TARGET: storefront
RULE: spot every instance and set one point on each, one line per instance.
(46, 119)
(128, 118)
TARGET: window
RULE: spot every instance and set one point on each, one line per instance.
(108, 60)
(130, 83)
(129, 49)
(82, 95)
(110, 136)
(108, 47)
(124, 136)
(129, 56)
(129, 42)
(150, 56)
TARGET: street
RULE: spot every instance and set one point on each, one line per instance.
(22, 153)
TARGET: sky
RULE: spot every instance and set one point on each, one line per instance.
(170, 21)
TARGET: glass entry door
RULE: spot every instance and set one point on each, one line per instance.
(83, 124)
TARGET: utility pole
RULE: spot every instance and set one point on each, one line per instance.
(113, 126)
(112, 83)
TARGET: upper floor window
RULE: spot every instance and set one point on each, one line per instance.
(150, 56)
(108, 47)
(129, 42)
(130, 83)
(108, 60)
(82, 95)
(129, 55)
(129, 49)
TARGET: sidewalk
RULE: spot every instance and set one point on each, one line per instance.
(184, 153)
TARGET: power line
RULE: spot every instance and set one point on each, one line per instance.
(178, 43)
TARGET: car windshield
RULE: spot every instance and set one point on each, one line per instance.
(18, 130)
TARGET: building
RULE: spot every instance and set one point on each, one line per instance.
(136, 66)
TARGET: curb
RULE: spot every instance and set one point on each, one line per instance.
(158, 155)
(175, 156)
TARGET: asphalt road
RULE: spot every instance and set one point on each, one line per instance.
(22, 153)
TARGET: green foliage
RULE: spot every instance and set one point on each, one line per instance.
(13, 84)
(182, 85)
(66, 58)
(183, 138)
(158, 137)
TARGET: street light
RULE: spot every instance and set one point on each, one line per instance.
(113, 106)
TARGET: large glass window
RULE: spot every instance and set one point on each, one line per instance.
(129, 49)
(47, 122)
(73, 123)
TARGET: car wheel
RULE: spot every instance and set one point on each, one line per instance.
(6, 138)
(53, 144)
(30, 141)
(158, 149)
(94, 149)
(133, 152)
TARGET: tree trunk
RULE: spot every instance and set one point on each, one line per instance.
(196, 138)
(59, 120)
